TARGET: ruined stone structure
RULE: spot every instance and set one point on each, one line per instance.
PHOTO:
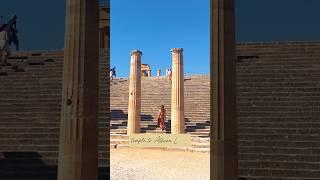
(177, 93)
(156, 91)
(145, 70)
(159, 72)
(277, 107)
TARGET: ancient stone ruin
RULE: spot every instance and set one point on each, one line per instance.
(277, 110)
(145, 70)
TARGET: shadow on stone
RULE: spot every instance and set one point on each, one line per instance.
(242, 178)
(49, 60)
(120, 115)
(193, 127)
(16, 68)
(3, 74)
(25, 166)
(30, 166)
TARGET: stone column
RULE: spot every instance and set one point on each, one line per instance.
(144, 72)
(103, 39)
(223, 90)
(159, 72)
(177, 92)
(78, 152)
(149, 73)
(134, 107)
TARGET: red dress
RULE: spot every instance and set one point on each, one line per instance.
(162, 119)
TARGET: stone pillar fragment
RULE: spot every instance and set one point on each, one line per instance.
(78, 152)
(159, 72)
(149, 73)
(177, 92)
(223, 91)
(134, 107)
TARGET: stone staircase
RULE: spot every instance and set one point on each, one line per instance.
(278, 110)
(156, 91)
(30, 104)
(278, 102)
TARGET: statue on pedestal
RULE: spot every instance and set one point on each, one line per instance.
(8, 35)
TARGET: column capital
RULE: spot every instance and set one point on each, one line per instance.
(177, 50)
(136, 52)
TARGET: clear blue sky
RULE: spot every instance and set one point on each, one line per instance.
(155, 27)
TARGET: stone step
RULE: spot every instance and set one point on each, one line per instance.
(119, 141)
(35, 141)
(192, 149)
(41, 148)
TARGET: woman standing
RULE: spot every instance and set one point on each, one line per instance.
(162, 118)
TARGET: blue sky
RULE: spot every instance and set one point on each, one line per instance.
(155, 27)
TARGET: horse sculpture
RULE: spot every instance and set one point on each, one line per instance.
(8, 36)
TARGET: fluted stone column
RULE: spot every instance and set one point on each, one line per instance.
(149, 73)
(78, 153)
(134, 107)
(223, 91)
(177, 92)
(159, 72)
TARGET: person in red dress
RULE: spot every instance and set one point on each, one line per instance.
(162, 118)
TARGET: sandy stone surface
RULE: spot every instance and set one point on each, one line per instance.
(150, 164)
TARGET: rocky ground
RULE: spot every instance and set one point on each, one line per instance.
(152, 164)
